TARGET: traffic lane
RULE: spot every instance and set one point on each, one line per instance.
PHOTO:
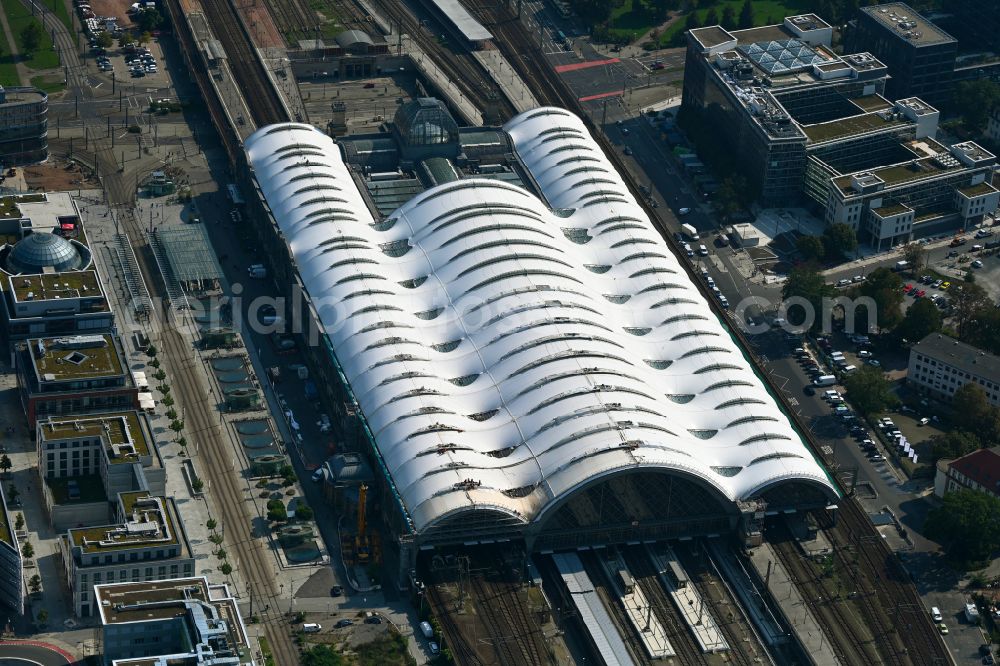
(934, 254)
(34, 653)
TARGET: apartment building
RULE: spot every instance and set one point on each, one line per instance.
(146, 542)
(940, 365)
(166, 622)
(74, 375)
(979, 471)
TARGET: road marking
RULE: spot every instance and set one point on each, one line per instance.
(794, 402)
(585, 65)
(590, 98)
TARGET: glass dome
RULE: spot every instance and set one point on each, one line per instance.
(39, 251)
(425, 122)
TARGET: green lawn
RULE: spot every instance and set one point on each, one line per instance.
(765, 12)
(48, 83)
(18, 17)
(8, 70)
(631, 20)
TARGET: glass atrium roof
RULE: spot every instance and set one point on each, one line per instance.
(777, 57)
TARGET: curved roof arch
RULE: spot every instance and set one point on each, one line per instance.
(505, 349)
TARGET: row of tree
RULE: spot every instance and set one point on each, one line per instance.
(836, 243)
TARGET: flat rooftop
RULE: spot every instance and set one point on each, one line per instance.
(891, 209)
(898, 174)
(123, 433)
(906, 24)
(978, 190)
(851, 126)
(872, 103)
(711, 36)
(149, 524)
(55, 286)
(123, 603)
(764, 33)
(75, 357)
(45, 210)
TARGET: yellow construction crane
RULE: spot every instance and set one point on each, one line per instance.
(361, 545)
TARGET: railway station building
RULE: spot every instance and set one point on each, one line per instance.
(526, 359)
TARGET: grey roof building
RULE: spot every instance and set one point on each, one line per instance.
(940, 365)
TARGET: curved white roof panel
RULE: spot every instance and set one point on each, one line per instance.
(505, 353)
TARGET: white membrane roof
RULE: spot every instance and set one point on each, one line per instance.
(506, 351)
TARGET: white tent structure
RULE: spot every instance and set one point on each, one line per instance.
(508, 351)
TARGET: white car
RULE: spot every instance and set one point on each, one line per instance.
(683, 211)
(711, 281)
(977, 264)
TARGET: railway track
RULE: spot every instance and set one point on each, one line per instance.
(293, 20)
(262, 99)
(459, 66)
(463, 653)
(845, 631)
(510, 629)
(893, 600)
(217, 456)
(648, 580)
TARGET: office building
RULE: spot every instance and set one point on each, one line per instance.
(808, 126)
(940, 365)
(99, 456)
(145, 542)
(24, 131)
(920, 56)
(74, 375)
(49, 282)
(180, 622)
(11, 565)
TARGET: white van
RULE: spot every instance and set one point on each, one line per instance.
(849, 369)
(936, 614)
(825, 380)
(312, 627)
(426, 629)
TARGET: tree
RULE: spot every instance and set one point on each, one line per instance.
(953, 444)
(973, 408)
(42, 617)
(974, 100)
(226, 568)
(221, 554)
(5, 464)
(728, 17)
(105, 40)
(806, 283)
(211, 524)
(870, 391)
(983, 331)
(746, 15)
(914, 254)
(35, 584)
(146, 37)
(198, 485)
(216, 539)
(732, 195)
(149, 20)
(168, 401)
(810, 247)
(19, 521)
(922, 318)
(151, 351)
(286, 471)
(171, 413)
(967, 300)
(27, 550)
(885, 288)
(276, 511)
(125, 40)
(711, 16)
(159, 375)
(320, 655)
(155, 363)
(177, 425)
(690, 23)
(304, 512)
(967, 525)
(31, 37)
(839, 239)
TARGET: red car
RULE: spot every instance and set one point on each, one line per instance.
(920, 294)
(908, 288)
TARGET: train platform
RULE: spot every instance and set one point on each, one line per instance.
(812, 541)
(512, 86)
(594, 616)
(689, 603)
(794, 607)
